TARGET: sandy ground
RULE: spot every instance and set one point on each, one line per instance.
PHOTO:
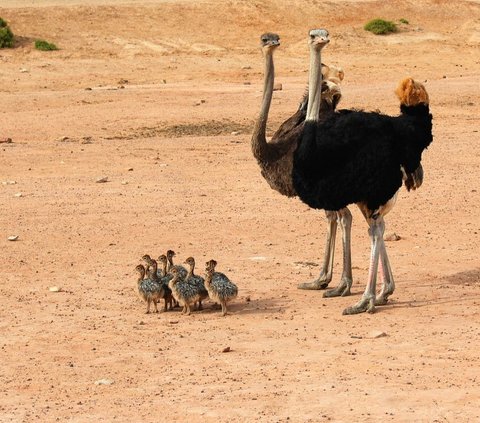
(160, 97)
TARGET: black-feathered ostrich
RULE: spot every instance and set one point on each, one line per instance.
(276, 159)
(362, 157)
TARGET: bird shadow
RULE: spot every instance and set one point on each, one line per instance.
(256, 306)
(465, 279)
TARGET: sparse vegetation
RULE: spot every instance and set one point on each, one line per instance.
(380, 27)
(403, 21)
(45, 45)
(6, 35)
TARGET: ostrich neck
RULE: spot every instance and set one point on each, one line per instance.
(164, 268)
(170, 264)
(314, 86)
(259, 140)
(154, 270)
(190, 272)
(208, 279)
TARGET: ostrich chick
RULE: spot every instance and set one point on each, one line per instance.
(196, 280)
(155, 275)
(149, 290)
(183, 272)
(185, 293)
(219, 287)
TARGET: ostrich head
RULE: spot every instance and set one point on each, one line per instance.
(318, 38)
(411, 93)
(140, 269)
(210, 266)
(162, 259)
(331, 95)
(269, 41)
(190, 261)
(147, 259)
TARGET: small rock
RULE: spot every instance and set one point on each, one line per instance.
(88, 89)
(9, 182)
(377, 334)
(246, 67)
(102, 180)
(124, 182)
(104, 382)
(63, 139)
(141, 322)
(235, 133)
(55, 289)
(247, 299)
(226, 349)
(130, 169)
(392, 237)
(5, 141)
(278, 87)
(13, 237)
(173, 322)
(18, 195)
(122, 81)
(23, 70)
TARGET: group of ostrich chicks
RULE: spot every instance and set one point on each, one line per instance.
(178, 286)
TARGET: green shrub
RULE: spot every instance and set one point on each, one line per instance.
(6, 35)
(45, 45)
(403, 21)
(380, 26)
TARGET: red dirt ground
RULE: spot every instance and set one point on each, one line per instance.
(160, 97)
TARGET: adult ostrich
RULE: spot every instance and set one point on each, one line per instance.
(276, 159)
(362, 157)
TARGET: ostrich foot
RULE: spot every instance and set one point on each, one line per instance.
(320, 283)
(382, 299)
(342, 290)
(365, 304)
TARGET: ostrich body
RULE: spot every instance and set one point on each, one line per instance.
(362, 157)
(219, 287)
(196, 280)
(149, 290)
(275, 159)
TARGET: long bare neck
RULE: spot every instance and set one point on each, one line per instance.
(314, 85)
(259, 140)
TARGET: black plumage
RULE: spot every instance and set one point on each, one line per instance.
(354, 156)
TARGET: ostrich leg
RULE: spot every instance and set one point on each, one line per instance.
(344, 218)
(367, 303)
(327, 268)
(387, 277)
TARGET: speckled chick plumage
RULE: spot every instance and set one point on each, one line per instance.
(196, 280)
(148, 289)
(156, 275)
(220, 288)
(184, 292)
